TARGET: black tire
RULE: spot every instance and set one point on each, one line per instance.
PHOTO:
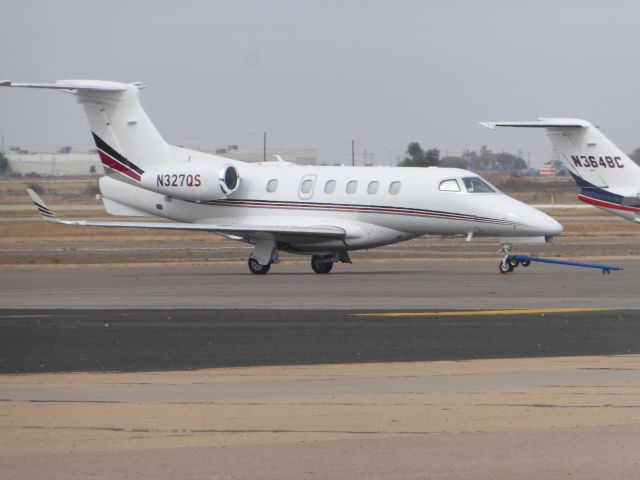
(513, 262)
(256, 268)
(505, 267)
(321, 264)
(525, 263)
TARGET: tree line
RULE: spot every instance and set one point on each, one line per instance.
(482, 160)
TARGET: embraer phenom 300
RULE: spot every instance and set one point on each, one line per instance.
(319, 211)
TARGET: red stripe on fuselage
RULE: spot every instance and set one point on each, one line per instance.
(361, 208)
(113, 164)
(603, 204)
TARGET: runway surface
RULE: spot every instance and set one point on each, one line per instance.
(375, 285)
(155, 340)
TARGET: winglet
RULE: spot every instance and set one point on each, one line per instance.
(42, 207)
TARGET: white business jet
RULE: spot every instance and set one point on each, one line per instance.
(324, 212)
(607, 177)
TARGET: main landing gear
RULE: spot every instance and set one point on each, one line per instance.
(321, 264)
(261, 260)
(256, 268)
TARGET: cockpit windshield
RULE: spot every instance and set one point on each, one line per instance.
(477, 185)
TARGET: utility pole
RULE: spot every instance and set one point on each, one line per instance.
(264, 148)
(353, 153)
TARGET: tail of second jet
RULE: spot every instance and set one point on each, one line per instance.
(607, 177)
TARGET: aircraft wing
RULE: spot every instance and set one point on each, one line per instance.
(320, 231)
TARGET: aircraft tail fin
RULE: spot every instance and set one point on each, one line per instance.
(589, 155)
(126, 139)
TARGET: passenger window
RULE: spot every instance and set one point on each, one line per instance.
(307, 186)
(477, 185)
(394, 188)
(352, 186)
(330, 186)
(449, 186)
(373, 187)
(272, 185)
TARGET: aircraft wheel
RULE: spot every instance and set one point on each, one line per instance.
(525, 263)
(513, 262)
(256, 268)
(321, 264)
(505, 267)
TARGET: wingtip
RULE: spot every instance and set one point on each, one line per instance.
(35, 198)
(5, 83)
(489, 125)
(43, 210)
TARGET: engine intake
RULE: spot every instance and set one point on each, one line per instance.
(229, 179)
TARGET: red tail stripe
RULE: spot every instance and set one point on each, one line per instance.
(113, 164)
(601, 203)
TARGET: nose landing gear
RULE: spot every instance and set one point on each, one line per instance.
(510, 263)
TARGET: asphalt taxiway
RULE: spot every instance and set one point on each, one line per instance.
(160, 340)
(377, 285)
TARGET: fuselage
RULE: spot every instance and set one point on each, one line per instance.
(375, 205)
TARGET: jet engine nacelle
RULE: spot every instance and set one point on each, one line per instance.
(195, 180)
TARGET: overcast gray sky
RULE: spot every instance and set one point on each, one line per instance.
(317, 74)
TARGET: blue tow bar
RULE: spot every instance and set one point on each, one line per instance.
(525, 260)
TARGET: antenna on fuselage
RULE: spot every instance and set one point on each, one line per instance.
(264, 148)
(353, 153)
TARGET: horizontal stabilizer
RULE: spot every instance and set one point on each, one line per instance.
(541, 123)
(72, 86)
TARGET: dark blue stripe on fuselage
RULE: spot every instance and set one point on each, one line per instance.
(590, 190)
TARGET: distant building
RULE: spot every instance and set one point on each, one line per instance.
(55, 164)
(83, 163)
(548, 170)
(303, 157)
